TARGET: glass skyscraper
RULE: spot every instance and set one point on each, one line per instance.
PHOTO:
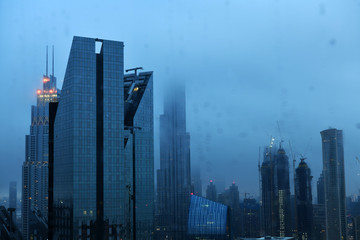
(334, 183)
(35, 168)
(93, 145)
(173, 177)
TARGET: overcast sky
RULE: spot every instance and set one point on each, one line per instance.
(248, 65)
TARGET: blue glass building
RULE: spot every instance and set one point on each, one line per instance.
(208, 219)
(93, 151)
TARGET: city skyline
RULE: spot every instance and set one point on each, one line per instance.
(279, 83)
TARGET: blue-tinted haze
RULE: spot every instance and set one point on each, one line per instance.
(247, 64)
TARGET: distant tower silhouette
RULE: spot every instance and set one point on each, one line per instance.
(211, 193)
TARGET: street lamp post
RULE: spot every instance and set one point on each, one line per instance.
(133, 197)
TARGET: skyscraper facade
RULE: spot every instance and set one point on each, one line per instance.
(35, 168)
(320, 185)
(103, 120)
(269, 213)
(319, 221)
(304, 205)
(283, 192)
(334, 182)
(174, 176)
(319, 218)
(275, 186)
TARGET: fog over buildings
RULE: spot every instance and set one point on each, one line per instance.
(252, 70)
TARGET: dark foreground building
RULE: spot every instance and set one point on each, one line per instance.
(208, 220)
(103, 120)
(8, 228)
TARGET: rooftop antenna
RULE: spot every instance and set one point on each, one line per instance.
(53, 60)
(281, 137)
(46, 60)
(302, 158)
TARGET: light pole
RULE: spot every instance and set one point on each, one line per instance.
(133, 197)
(132, 132)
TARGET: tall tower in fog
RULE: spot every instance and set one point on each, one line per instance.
(174, 177)
(35, 175)
(103, 119)
(304, 201)
(334, 182)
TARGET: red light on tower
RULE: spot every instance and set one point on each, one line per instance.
(210, 180)
(46, 79)
(51, 91)
(38, 92)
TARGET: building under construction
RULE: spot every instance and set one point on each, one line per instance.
(275, 185)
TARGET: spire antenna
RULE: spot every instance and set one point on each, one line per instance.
(47, 60)
(53, 60)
